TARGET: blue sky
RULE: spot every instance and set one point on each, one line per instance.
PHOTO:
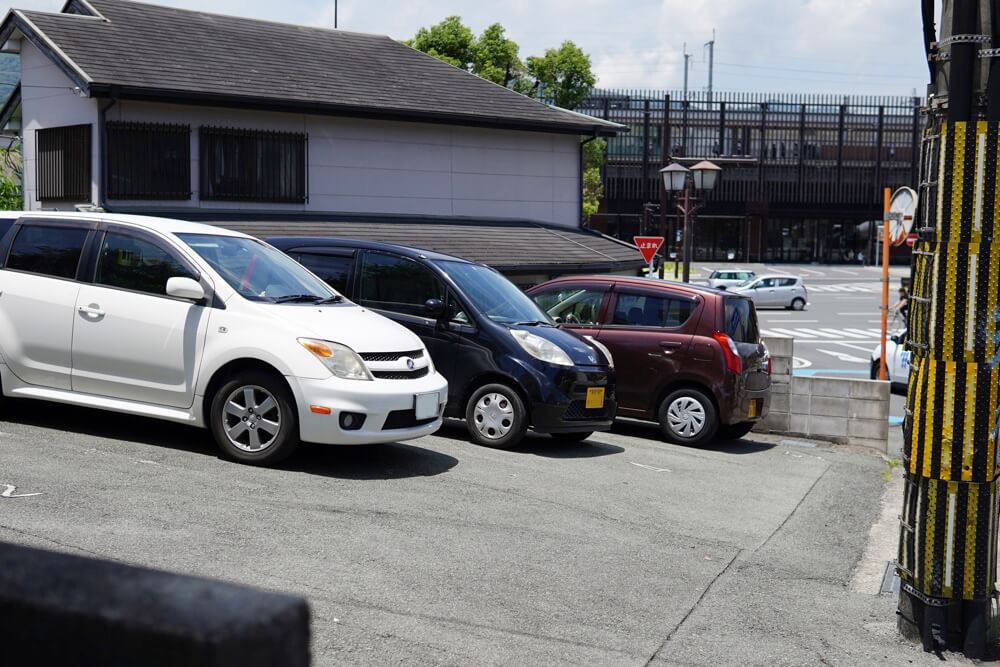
(866, 47)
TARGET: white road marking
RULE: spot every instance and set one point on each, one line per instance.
(867, 312)
(799, 362)
(770, 322)
(819, 333)
(843, 356)
(792, 333)
(653, 468)
(854, 346)
(864, 333)
(850, 273)
(9, 489)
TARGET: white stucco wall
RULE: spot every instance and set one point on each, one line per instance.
(354, 165)
(48, 100)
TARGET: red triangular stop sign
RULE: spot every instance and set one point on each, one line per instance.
(648, 246)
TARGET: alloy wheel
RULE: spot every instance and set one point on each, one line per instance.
(251, 418)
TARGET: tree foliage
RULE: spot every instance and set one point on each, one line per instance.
(495, 57)
(11, 198)
(450, 41)
(563, 75)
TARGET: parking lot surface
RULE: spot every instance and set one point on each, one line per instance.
(622, 550)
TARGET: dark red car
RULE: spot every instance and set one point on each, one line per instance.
(687, 357)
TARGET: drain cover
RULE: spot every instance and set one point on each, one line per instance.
(890, 580)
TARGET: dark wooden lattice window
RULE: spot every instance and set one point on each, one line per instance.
(63, 160)
(148, 161)
(252, 165)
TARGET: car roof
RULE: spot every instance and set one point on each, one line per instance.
(289, 242)
(152, 223)
(644, 282)
(778, 275)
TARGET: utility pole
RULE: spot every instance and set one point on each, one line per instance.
(947, 558)
(687, 62)
(711, 63)
(334, 14)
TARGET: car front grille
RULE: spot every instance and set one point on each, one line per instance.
(391, 356)
(398, 419)
(401, 375)
(577, 411)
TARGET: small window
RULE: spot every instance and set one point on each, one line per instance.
(134, 264)
(456, 313)
(63, 163)
(252, 165)
(397, 284)
(50, 251)
(333, 269)
(5, 225)
(572, 305)
(741, 321)
(788, 282)
(148, 161)
(652, 311)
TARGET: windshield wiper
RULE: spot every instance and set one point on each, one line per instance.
(336, 298)
(533, 323)
(298, 298)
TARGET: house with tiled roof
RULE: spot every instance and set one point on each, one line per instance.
(131, 107)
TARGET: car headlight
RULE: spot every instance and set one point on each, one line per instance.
(341, 360)
(541, 349)
(603, 348)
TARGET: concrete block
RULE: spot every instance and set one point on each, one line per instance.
(799, 404)
(802, 386)
(874, 429)
(779, 402)
(780, 387)
(825, 406)
(798, 424)
(776, 422)
(780, 346)
(68, 610)
(781, 366)
(870, 389)
(832, 387)
(828, 426)
(868, 409)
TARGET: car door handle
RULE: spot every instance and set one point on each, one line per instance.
(92, 310)
(670, 346)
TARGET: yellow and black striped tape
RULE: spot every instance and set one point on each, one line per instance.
(965, 169)
(955, 300)
(952, 408)
(948, 546)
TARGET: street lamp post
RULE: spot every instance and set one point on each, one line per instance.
(686, 183)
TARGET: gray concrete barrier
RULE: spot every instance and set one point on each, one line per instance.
(58, 609)
(851, 411)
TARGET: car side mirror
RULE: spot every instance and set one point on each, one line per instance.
(435, 308)
(894, 338)
(185, 288)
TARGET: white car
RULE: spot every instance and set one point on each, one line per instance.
(897, 361)
(204, 326)
(726, 278)
(776, 291)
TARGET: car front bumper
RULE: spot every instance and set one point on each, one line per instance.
(388, 407)
(563, 409)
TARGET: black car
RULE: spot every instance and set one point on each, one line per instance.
(508, 366)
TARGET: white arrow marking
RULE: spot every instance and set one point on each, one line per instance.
(9, 489)
(798, 362)
(654, 469)
(844, 357)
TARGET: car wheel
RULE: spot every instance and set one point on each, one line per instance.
(734, 431)
(253, 419)
(687, 417)
(577, 436)
(496, 416)
(798, 303)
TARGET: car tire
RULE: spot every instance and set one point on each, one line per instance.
(576, 436)
(734, 431)
(496, 417)
(798, 303)
(687, 417)
(262, 403)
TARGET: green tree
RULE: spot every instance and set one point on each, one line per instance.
(495, 57)
(450, 41)
(563, 75)
(11, 198)
(593, 189)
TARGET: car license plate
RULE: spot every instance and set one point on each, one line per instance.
(426, 405)
(752, 410)
(595, 397)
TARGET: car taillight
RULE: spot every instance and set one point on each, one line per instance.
(730, 351)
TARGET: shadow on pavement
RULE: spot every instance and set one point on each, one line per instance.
(538, 444)
(650, 431)
(361, 462)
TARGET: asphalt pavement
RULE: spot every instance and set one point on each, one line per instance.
(622, 550)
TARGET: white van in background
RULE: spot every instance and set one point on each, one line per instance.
(201, 325)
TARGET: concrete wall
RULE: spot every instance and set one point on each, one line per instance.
(354, 165)
(840, 410)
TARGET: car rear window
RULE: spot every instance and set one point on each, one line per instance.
(741, 321)
(652, 311)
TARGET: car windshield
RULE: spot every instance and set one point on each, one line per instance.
(494, 296)
(258, 271)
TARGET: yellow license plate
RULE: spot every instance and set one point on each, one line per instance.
(752, 410)
(595, 397)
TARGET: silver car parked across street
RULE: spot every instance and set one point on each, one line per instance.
(776, 291)
(727, 278)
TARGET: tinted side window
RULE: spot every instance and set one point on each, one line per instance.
(50, 251)
(333, 269)
(132, 263)
(397, 284)
(5, 226)
(741, 321)
(652, 311)
(572, 305)
(787, 282)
